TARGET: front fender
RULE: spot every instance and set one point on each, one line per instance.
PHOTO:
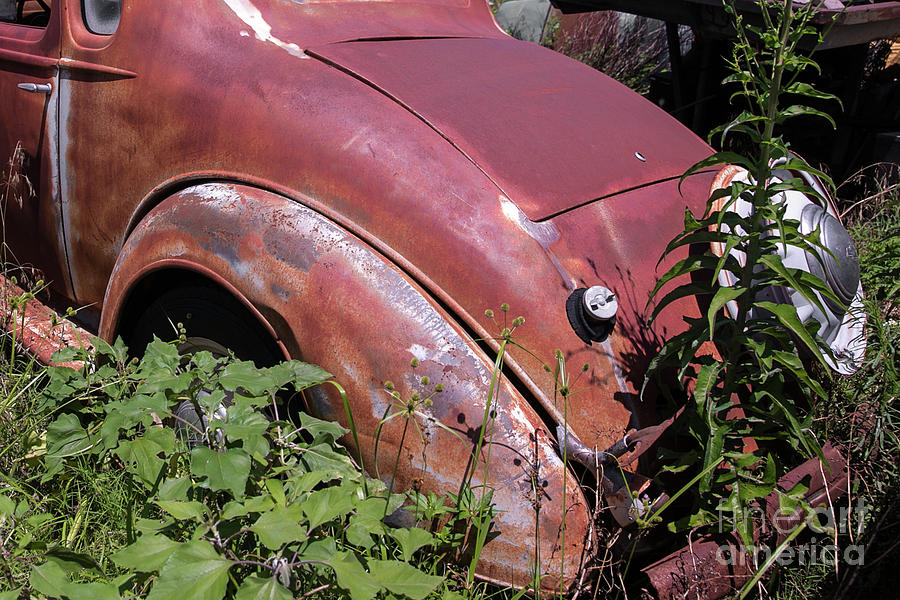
(332, 300)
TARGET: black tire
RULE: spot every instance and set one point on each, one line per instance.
(213, 320)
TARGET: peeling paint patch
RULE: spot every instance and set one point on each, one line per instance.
(250, 15)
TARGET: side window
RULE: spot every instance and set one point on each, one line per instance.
(35, 13)
(101, 16)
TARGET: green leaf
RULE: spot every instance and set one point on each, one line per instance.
(11, 595)
(276, 490)
(321, 430)
(193, 571)
(352, 577)
(243, 422)
(411, 540)
(182, 510)
(706, 380)
(141, 455)
(257, 588)
(305, 375)
(244, 375)
(148, 553)
(324, 505)
(92, 591)
(7, 506)
(799, 110)
(401, 578)
(226, 470)
(323, 458)
(66, 437)
(49, 579)
(787, 316)
(723, 296)
(174, 488)
(280, 526)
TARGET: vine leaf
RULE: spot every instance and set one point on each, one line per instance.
(280, 526)
(352, 577)
(401, 578)
(148, 553)
(257, 588)
(226, 470)
(193, 571)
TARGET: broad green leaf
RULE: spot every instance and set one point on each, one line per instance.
(352, 577)
(276, 490)
(161, 355)
(182, 510)
(243, 375)
(72, 561)
(66, 437)
(148, 553)
(165, 382)
(11, 595)
(257, 588)
(193, 571)
(141, 406)
(305, 375)
(174, 488)
(324, 505)
(359, 531)
(92, 591)
(7, 506)
(49, 579)
(243, 422)
(141, 455)
(226, 470)
(401, 578)
(321, 430)
(280, 526)
(323, 458)
(411, 540)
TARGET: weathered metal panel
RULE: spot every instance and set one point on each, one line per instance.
(37, 328)
(551, 132)
(344, 307)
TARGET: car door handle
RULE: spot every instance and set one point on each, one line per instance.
(36, 88)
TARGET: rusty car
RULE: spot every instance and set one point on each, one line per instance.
(334, 181)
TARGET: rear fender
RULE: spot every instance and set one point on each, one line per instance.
(330, 299)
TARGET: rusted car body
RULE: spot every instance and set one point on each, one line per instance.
(339, 170)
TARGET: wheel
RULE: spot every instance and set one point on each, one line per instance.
(213, 321)
(841, 326)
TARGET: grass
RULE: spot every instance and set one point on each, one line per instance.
(862, 412)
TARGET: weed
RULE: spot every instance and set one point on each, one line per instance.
(748, 413)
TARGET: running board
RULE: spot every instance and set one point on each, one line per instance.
(38, 328)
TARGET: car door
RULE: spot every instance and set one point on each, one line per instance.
(29, 191)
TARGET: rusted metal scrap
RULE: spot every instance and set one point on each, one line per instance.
(37, 327)
(712, 567)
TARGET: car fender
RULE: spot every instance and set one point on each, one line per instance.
(330, 299)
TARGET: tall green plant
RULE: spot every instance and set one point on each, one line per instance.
(759, 345)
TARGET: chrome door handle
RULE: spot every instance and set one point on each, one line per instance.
(36, 88)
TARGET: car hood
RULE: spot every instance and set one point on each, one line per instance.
(550, 132)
